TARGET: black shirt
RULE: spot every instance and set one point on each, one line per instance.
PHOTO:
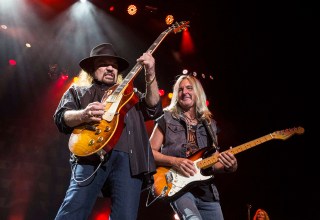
(134, 138)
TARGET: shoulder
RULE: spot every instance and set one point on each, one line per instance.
(168, 116)
(165, 117)
(78, 88)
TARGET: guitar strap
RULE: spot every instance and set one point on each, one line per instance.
(212, 134)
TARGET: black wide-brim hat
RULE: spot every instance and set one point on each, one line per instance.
(103, 50)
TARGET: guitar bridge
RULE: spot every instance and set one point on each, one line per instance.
(169, 177)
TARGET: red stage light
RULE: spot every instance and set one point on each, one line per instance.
(161, 92)
(111, 8)
(12, 62)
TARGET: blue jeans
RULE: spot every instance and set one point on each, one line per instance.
(189, 207)
(123, 188)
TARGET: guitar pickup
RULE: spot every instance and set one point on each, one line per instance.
(169, 177)
(91, 127)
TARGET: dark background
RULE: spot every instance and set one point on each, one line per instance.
(261, 55)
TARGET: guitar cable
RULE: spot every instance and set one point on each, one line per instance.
(164, 191)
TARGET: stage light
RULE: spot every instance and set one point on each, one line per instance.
(169, 19)
(12, 62)
(185, 71)
(132, 9)
(75, 79)
(64, 74)
(111, 8)
(64, 77)
(170, 95)
(161, 92)
(54, 72)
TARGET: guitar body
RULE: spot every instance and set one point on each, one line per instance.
(92, 138)
(170, 184)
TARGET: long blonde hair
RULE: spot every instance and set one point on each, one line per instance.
(266, 216)
(202, 111)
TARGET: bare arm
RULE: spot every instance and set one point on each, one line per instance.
(93, 112)
(152, 91)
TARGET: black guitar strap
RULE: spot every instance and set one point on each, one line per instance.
(212, 134)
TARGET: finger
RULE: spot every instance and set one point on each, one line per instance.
(224, 163)
(184, 171)
(191, 167)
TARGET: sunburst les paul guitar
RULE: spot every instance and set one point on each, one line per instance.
(101, 137)
(170, 184)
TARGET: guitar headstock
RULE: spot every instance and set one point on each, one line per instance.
(285, 134)
(180, 26)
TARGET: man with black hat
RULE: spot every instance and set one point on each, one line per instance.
(128, 167)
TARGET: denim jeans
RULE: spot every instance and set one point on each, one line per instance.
(123, 188)
(189, 207)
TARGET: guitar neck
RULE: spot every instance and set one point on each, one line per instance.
(282, 135)
(138, 67)
(210, 161)
(177, 27)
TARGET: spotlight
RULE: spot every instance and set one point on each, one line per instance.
(169, 19)
(185, 71)
(12, 62)
(111, 8)
(64, 74)
(132, 9)
(161, 92)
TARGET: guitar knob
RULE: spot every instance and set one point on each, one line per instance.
(108, 128)
(98, 131)
(100, 139)
(91, 142)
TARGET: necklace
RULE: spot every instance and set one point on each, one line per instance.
(190, 121)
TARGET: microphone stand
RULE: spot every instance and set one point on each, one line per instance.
(249, 207)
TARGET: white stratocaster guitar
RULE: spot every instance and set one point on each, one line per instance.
(170, 184)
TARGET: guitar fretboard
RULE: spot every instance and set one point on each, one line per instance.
(283, 135)
(138, 67)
